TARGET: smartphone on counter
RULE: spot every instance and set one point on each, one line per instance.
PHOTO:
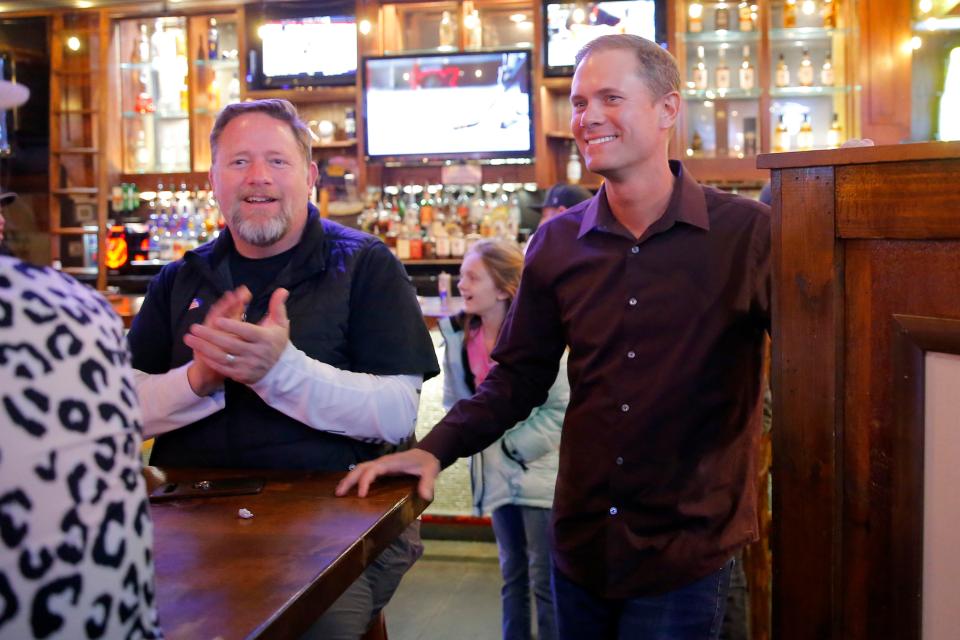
(207, 488)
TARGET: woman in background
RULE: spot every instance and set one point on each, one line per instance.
(514, 478)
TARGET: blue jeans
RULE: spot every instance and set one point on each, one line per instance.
(694, 612)
(523, 541)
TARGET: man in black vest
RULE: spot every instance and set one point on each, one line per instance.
(289, 342)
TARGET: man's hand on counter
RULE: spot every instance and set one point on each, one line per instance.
(415, 462)
(239, 350)
(204, 379)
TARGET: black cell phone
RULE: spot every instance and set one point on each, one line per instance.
(207, 488)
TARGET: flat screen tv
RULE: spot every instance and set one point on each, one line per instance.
(472, 105)
(568, 26)
(298, 45)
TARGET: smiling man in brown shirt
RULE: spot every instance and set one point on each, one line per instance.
(661, 289)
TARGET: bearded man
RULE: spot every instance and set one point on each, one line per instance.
(289, 342)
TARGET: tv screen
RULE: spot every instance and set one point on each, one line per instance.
(448, 106)
(569, 26)
(301, 46)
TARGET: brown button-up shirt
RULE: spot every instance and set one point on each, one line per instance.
(655, 488)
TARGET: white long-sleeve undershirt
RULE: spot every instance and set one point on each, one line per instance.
(361, 406)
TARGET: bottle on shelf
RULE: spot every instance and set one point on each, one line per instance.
(700, 71)
(574, 170)
(475, 30)
(350, 123)
(748, 75)
(143, 45)
(745, 17)
(750, 136)
(826, 72)
(721, 17)
(829, 13)
(696, 143)
(695, 17)
(805, 72)
(805, 136)
(722, 72)
(782, 75)
(781, 137)
(835, 133)
(213, 40)
(789, 14)
(447, 37)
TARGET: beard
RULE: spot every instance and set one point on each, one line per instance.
(260, 230)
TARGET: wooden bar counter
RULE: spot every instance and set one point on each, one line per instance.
(222, 576)
(866, 275)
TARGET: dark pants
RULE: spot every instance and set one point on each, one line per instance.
(693, 612)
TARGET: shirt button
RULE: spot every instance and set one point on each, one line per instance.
(613, 511)
(632, 302)
(631, 354)
(634, 249)
(624, 407)
(619, 460)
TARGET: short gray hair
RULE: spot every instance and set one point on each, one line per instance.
(654, 63)
(276, 108)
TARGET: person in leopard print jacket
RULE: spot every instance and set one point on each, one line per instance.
(75, 530)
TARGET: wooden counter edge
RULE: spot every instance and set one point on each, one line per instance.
(860, 155)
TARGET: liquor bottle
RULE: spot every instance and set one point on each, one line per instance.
(826, 72)
(700, 72)
(829, 14)
(696, 143)
(574, 170)
(790, 14)
(750, 136)
(745, 16)
(781, 138)
(695, 22)
(721, 17)
(782, 76)
(722, 72)
(748, 75)
(805, 72)
(475, 34)
(143, 45)
(350, 123)
(805, 136)
(213, 40)
(835, 133)
(447, 37)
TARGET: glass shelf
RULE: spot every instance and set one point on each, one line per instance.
(804, 33)
(717, 94)
(159, 115)
(712, 37)
(950, 23)
(218, 64)
(807, 92)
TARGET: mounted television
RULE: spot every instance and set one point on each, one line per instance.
(471, 105)
(568, 26)
(293, 45)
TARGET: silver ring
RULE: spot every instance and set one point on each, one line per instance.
(230, 358)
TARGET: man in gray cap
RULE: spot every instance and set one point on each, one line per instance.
(559, 198)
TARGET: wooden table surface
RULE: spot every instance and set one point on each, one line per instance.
(220, 576)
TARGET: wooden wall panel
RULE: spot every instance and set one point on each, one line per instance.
(805, 338)
(902, 200)
(884, 70)
(881, 539)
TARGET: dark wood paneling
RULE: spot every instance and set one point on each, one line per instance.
(908, 200)
(881, 459)
(805, 338)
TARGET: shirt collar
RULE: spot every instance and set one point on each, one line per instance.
(687, 205)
